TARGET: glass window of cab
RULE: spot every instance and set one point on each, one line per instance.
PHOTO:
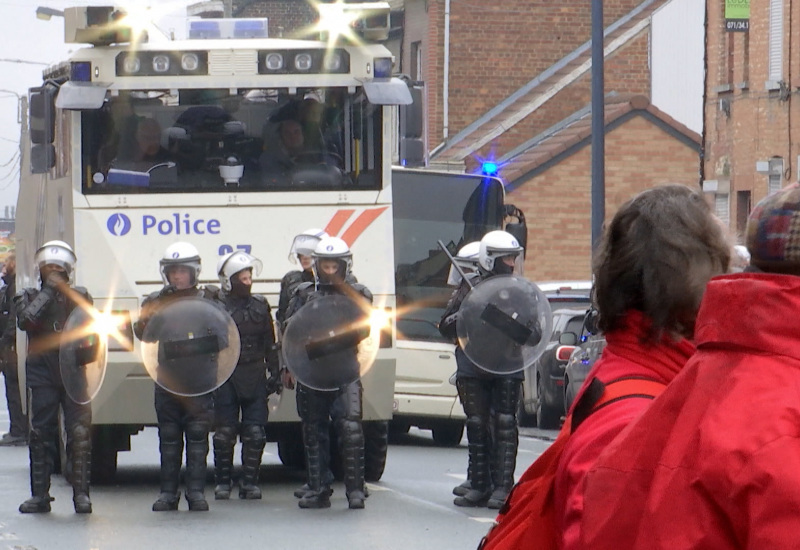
(209, 141)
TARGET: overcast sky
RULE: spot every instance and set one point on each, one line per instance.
(39, 43)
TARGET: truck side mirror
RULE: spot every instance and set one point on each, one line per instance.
(42, 120)
(412, 128)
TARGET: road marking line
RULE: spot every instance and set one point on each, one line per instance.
(482, 520)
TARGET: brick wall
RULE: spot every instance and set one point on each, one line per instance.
(496, 47)
(744, 121)
(284, 16)
(626, 72)
(639, 155)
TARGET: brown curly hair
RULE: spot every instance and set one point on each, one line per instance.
(656, 256)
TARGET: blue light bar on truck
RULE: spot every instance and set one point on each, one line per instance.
(382, 67)
(80, 71)
(200, 29)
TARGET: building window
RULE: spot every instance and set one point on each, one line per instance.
(743, 207)
(776, 37)
(775, 178)
(416, 61)
(721, 207)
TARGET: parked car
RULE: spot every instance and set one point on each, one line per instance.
(589, 350)
(542, 401)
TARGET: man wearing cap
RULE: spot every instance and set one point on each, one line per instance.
(714, 462)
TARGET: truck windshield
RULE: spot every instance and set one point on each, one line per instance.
(454, 208)
(190, 141)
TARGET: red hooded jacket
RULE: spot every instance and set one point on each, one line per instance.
(626, 354)
(714, 462)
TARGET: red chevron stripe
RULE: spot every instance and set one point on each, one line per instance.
(337, 221)
(360, 224)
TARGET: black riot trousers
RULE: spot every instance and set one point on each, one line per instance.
(490, 405)
(345, 407)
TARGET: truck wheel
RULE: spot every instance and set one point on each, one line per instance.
(291, 451)
(524, 418)
(104, 464)
(448, 434)
(397, 429)
(547, 417)
(376, 446)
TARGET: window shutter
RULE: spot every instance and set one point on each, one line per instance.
(775, 40)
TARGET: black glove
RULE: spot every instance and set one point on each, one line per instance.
(274, 384)
(55, 280)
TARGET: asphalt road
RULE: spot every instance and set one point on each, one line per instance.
(411, 507)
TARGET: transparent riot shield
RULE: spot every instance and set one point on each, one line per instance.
(330, 342)
(504, 324)
(82, 354)
(190, 347)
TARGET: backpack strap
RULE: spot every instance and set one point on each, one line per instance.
(600, 394)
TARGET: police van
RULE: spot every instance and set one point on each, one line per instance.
(231, 140)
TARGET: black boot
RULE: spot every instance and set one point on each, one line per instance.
(224, 441)
(41, 466)
(170, 439)
(351, 436)
(476, 406)
(505, 396)
(353, 459)
(317, 495)
(324, 438)
(81, 449)
(463, 489)
(253, 441)
(196, 454)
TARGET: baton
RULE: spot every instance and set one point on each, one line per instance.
(455, 264)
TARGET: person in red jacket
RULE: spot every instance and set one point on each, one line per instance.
(715, 461)
(652, 266)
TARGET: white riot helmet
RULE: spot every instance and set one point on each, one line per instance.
(467, 260)
(332, 248)
(497, 244)
(234, 262)
(56, 253)
(181, 253)
(305, 243)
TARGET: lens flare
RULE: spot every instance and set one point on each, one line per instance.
(335, 23)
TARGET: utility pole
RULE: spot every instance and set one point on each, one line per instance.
(598, 125)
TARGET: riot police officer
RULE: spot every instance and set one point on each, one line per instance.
(332, 265)
(179, 416)
(18, 420)
(246, 390)
(42, 313)
(489, 400)
(300, 252)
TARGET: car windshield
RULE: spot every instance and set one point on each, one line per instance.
(209, 141)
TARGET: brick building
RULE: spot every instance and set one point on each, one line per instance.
(751, 114)
(644, 147)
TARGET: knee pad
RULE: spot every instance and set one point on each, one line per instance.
(197, 431)
(506, 422)
(352, 432)
(254, 434)
(80, 436)
(224, 436)
(169, 432)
